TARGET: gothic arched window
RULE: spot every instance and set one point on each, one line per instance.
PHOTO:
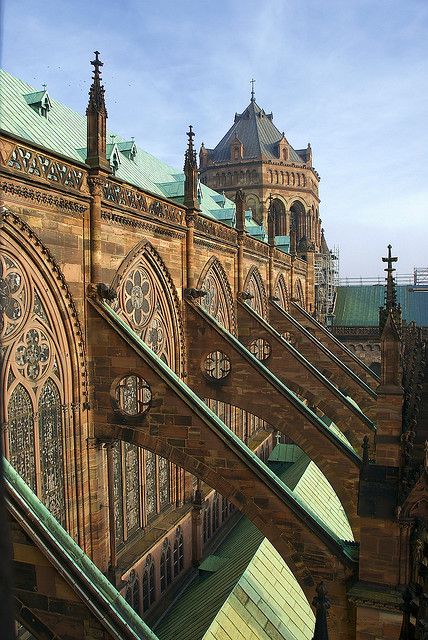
(38, 380)
(149, 583)
(255, 287)
(165, 565)
(21, 435)
(178, 552)
(281, 293)
(148, 302)
(280, 224)
(51, 449)
(219, 301)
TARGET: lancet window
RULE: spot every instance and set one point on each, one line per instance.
(149, 583)
(255, 287)
(218, 301)
(178, 552)
(281, 293)
(38, 390)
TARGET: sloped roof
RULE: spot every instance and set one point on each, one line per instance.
(64, 132)
(358, 305)
(247, 586)
(256, 131)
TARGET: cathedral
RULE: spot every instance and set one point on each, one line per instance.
(189, 452)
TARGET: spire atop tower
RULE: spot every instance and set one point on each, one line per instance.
(253, 96)
(96, 92)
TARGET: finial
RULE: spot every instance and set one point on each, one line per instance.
(321, 604)
(390, 300)
(45, 86)
(96, 92)
(97, 63)
(112, 138)
(191, 174)
(253, 97)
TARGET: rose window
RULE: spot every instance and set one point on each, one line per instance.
(12, 296)
(133, 395)
(260, 348)
(33, 354)
(139, 296)
(217, 365)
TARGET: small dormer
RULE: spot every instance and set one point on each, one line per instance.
(283, 148)
(236, 149)
(113, 156)
(128, 148)
(39, 102)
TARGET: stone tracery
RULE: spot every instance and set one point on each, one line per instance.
(219, 301)
(35, 351)
(255, 287)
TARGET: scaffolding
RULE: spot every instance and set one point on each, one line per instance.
(326, 283)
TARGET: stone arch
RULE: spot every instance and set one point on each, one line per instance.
(281, 292)
(219, 300)
(299, 295)
(43, 374)
(253, 203)
(155, 313)
(254, 285)
(280, 219)
(297, 221)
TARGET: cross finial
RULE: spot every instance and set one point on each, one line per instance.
(97, 63)
(390, 284)
(253, 98)
(190, 134)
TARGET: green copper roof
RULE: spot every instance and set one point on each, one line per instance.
(358, 306)
(246, 590)
(266, 604)
(82, 569)
(63, 131)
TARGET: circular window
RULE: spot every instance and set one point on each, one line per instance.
(133, 395)
(260, 348)
(217, 365)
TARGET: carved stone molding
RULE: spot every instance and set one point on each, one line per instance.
(115, 218)
(218, 247)
(46, 199)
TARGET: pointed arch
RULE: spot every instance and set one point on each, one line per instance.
(299, 296)
(43, 377)
(254, 285)
(219, 300)
(148, 300)
(281, 292)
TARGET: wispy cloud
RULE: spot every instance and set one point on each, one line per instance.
(350, 77)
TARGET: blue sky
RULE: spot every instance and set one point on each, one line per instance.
(349, 76)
